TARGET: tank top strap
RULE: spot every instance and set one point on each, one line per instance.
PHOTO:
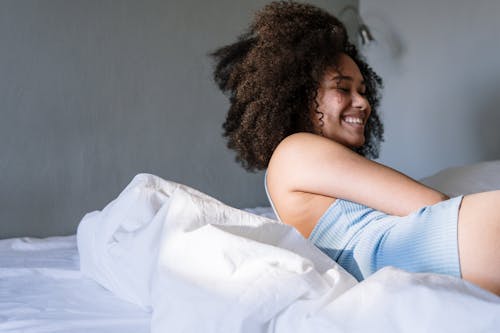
(269, 197)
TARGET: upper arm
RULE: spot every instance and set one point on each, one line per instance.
(313, 164)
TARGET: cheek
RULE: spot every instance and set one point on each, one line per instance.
(334, 105)
(340, 99)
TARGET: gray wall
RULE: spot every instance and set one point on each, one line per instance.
(441, 63)
(94, 92)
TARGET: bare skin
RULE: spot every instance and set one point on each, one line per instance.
(307, 172)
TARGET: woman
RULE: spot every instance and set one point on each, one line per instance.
(304, 106)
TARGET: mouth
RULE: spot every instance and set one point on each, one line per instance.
(356, 121)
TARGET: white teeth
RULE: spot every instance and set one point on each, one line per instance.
(353, 120)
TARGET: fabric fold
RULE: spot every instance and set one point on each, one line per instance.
(202, 266)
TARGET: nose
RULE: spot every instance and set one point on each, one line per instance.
(360, 102)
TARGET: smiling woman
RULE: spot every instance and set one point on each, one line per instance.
(304, 106)
(342, 108)
(275, 73)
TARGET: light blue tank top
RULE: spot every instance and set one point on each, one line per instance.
(363, 240)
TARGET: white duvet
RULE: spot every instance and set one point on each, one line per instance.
(202, 266)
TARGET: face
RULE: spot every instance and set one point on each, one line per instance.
(341, 99)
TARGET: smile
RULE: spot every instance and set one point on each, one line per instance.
(353, 120)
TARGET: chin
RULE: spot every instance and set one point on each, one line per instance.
(357, 144)
(352, 140)
(349, 142)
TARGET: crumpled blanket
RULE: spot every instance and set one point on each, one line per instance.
(202, 266)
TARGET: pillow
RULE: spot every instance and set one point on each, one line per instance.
(473, 178)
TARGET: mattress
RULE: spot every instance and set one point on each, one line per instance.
(43, 290)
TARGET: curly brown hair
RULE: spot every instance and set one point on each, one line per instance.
(271, 75)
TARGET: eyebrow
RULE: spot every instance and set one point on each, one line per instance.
(346, 78)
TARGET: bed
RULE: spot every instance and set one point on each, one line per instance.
(163, 257)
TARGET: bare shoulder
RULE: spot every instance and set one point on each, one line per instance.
(300, 149)
(302, 143)
(301, 157)
(285, 161)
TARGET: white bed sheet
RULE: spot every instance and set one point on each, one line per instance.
(43, 290)
(206, 267)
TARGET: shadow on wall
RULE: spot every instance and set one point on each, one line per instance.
(388, 49)
(486, 122)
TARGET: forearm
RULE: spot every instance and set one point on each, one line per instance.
(384, 188)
